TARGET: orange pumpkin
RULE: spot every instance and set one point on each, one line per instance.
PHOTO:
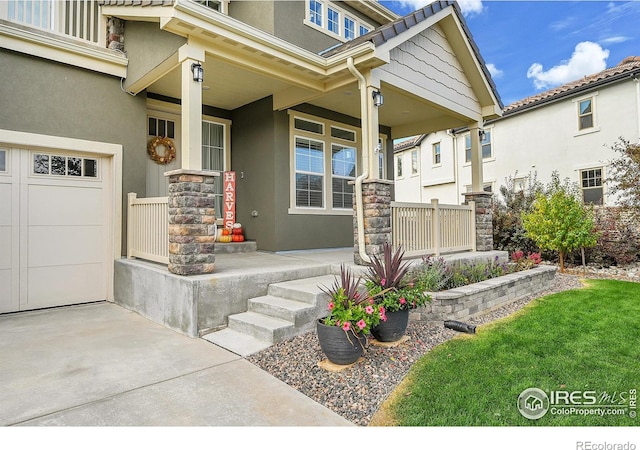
(226, 232)
(237, 238)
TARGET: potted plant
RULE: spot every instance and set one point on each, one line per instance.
(352, 313)
(390, 281)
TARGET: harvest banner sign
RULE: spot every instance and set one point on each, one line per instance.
(229, 189)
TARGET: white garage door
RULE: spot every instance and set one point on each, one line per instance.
(54, 229)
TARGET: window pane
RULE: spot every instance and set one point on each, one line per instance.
(333, 21)
(90, 168)
(343, 161)
(586, 121)
(152, 127)
(585, 107)
(342, 193)
(309, 190)
(306, 125)
(414, 162)
(3, 160)
(171, 129)
(340, 133)
(309, 156)
(399, 166)
(58, 165)
(349, 28)
(74, 167)
(363, 30)
(593, 195)
(315, 12)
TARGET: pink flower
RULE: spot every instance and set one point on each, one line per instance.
(383, 282)
(371, 301)
(369, 309)
(346, 326)
(331, 306)
(381, 309)
(383, 317)
(402, 301)
(361, 324)
(356, 295)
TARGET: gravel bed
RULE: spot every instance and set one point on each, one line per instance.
(357, 393)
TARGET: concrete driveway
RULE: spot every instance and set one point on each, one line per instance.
(100, 364)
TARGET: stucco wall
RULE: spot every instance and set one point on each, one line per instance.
(538, 141)
(50, 98)
(139, 37)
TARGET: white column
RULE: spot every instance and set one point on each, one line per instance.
(476, 158)
(191, 109)
(372, 128)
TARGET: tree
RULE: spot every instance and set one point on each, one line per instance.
(624, 176)
(559, 220)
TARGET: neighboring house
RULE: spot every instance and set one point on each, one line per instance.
(569, 129)
(284, 93)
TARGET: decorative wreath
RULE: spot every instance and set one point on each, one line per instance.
(169, 150)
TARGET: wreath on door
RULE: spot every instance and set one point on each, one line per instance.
(169, 153)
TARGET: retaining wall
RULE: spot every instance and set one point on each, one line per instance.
(466, 301)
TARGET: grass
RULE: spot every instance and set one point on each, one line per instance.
(581, 340)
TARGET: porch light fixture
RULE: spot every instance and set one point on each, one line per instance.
(481, 134)
(198, 72)
(378, 99)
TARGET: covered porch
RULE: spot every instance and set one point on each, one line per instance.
(419, 74)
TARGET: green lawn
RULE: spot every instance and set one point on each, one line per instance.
(582, 340)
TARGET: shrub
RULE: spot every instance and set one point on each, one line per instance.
(559, 220)
(508, 207)
(619, 240)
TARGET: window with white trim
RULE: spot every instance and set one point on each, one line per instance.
(399, 166)
(349, 28)
(485, 143)
(3, 160)
(415, 163)
(585, 114)
(591, 184)
(64, 166)
(162, 127)
(214, 155)
(329, 18)
(437, 156)
(325, 156)
(315, 12)
(333, 20)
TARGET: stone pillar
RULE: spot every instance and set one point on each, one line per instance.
(376, 198)
(192, 218)
(484, 218)
(115, 34)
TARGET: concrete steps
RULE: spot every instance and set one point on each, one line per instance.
(289, 309)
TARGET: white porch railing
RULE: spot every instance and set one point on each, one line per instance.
(76, 18)
(431, 228)
(148, 228)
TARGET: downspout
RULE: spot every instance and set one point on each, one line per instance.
(364, 108)
(638, 103)
(455, 163)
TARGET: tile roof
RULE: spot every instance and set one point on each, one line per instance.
(135, 2)
(409, 143)
(629, 65)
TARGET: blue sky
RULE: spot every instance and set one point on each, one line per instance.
(532, 46)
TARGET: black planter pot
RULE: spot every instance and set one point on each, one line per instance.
(340, 347)
(394, 328)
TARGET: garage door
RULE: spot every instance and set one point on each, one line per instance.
(54, 229)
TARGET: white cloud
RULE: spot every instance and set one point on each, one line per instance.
(494, 71)
(467, 6)
(587, 58)
(615, 40)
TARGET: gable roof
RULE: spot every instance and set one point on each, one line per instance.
(386, 32)
(409, 143)
(627, 67)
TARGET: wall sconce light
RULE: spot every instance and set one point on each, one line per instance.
(481, 134)
(198, 72)
(378, 99)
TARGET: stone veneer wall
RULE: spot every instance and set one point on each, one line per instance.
(115, 34)
(466, 301)
(376, 198)
(192, 218)
(484, 219)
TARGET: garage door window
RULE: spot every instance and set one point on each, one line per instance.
(3, 161)
(65, 166)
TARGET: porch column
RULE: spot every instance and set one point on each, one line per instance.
(484, 218)
(477, 177)
(192, 218)
(376, 199)
(191, 109)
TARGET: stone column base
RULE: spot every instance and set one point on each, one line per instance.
(376, 198)
(484, 218)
